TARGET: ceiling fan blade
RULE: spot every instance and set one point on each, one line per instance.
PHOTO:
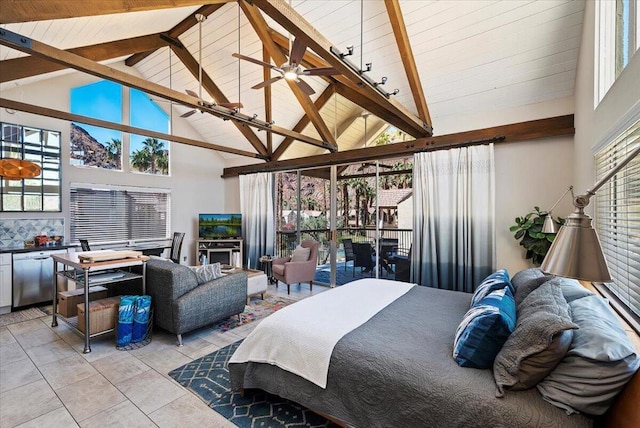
(189, 113)
(266, 82)
(231, 105)
(297, 51)
(304, 86)
(192, 93)
(320, 71)
(253, 60)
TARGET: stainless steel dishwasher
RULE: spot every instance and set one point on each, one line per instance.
(33, 277)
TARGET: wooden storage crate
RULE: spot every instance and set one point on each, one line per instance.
(68, 300)
(104, 313)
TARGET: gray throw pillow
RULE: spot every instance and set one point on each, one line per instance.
(601, 360)
(539, 342)
(525, 275)
(206, 273)
(528, 286)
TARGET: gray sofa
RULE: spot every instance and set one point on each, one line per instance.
(182, 305)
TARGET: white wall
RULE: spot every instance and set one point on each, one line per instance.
(195, 181)
(592, 125)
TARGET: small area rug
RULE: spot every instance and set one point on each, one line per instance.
(20, 316)
(258, 309)
(208, 378)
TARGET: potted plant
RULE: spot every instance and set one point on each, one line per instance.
(528, 230)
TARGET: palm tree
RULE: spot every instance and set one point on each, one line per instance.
(114, 150)
(154, 147)
(163, 161)
(141, 159)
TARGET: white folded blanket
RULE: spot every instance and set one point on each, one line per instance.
(300, 338)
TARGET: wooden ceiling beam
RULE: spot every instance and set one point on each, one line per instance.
(62, 115)
(408, 60)
(293, 22)
(41, 10)
(68, 59)
(28, 66)
(176, 31)
(212, 89)
(531, 130)
(260, 27)
(345, 87)
(304, 121)
(268, 112)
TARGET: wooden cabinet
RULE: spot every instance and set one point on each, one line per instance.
(224, 251)
(5, 283)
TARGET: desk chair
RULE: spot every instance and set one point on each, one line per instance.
(84, 243)
(176, 247)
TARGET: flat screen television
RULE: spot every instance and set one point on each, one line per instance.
(219, 226)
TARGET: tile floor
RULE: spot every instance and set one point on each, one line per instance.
(46, 380)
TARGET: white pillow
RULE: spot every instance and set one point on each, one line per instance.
(206, 273)
(300, 254)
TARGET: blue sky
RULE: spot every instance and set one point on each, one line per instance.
(103, 100)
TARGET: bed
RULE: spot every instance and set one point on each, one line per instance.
(397, 370)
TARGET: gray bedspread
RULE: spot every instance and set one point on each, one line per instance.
(397, 370)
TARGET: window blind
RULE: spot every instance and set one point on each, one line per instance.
(111, 214)
(618, 217)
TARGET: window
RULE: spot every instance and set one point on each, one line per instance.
(41, 193)
(92, 146)
(618, 218)
(115, 214)
(618, 38)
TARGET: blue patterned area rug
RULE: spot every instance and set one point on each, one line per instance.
(208, 377)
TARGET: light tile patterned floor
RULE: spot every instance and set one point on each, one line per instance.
(46, 380)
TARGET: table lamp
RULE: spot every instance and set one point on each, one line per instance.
(576, 251)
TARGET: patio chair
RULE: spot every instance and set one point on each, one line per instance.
(363, 256)
(291, 272)
(84, 244)
(348, 252)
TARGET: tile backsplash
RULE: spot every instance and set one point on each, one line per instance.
(14, 232)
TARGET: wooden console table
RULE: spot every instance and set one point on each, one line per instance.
(72, 261)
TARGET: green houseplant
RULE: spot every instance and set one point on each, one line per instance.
(528, 230)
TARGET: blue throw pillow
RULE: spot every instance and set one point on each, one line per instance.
(495, 281)
(484, 329)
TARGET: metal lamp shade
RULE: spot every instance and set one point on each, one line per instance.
(17, 169)
(576, 252)
(549, 225)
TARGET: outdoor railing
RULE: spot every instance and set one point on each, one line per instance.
(286, 241)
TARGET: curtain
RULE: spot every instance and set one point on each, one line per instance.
(256, 206)
(454, 227)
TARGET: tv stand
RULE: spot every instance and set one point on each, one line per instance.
(224, 251)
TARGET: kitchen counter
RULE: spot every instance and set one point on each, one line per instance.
(23, 249)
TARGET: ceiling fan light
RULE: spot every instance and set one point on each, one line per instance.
(291, 75)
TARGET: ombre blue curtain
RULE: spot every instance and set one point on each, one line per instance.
(258, 224)
(454, 221)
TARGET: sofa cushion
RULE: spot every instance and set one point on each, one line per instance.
(600, 361)
(525, 275)
(539, 342)
(206, 273)
(300, 254)
(484, 329)
(495, 281)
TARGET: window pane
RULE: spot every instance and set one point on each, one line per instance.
(91, 145)
(148, 155)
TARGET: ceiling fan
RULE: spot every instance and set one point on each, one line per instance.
(232, 106)
(291, 71)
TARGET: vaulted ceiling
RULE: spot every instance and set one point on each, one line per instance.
(446, 58)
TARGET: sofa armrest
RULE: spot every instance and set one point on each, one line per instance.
(210, 302)
(281, 260)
